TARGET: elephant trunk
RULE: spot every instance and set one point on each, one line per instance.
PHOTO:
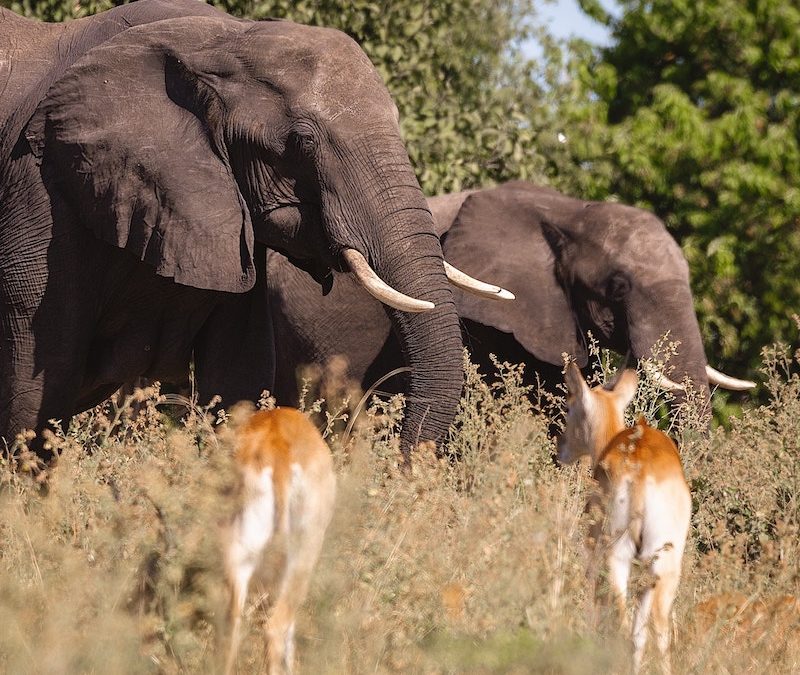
(672, 303)
(431, 345)
(394, 230)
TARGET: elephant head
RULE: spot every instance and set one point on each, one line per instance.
(576, 266)
(189, 140)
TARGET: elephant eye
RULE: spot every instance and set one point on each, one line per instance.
(307, 144)
(305, 137)
(618, 287)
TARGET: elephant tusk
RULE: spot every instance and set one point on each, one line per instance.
(378, 288)
(662, 380)
(728, 382)
(468, 283)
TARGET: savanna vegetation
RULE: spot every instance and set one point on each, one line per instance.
(474, 563)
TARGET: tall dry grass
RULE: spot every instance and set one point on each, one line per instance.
(474, 563)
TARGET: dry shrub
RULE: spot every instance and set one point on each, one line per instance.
(112, 564)
(425, 565)
(746, 490)
(473, 562)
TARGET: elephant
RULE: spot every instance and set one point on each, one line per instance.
(149, 155)
(575, 266)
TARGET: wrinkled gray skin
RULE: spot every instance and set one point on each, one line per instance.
(148, 155)
(574, 266)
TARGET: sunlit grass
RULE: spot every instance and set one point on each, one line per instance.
(472, 563)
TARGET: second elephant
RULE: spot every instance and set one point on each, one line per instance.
(575, 266)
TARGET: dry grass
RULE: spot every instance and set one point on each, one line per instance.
(472, 564)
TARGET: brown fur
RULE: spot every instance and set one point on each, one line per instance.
(607, 422)
(277, 439)
(642, 452)
(643, 505)
(288, 490)
(637, 453)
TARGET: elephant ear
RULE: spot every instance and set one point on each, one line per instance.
(497, 235)
(121, 135)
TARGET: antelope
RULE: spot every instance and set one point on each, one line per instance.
(643, 499)
(287, 489)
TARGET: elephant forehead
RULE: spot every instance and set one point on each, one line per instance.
(329, 73)
(650, 251)
(197, 31)
(637, 237)
(497, 235)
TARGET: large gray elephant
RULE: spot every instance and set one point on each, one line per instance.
(575, 266)
(148, 155)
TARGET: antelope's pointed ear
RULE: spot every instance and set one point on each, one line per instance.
(125, 139)
(625, 388)
(576, 385)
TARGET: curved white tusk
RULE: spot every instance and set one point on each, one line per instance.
(378, 288)
(728, 382)
(662, 380)
(468, 283)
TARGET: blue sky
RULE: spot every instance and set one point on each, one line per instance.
(565, 19)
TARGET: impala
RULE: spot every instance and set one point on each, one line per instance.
(643, 500)
(288, 489)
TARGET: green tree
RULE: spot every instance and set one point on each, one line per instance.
(694, 112)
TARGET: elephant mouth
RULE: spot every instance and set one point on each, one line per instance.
(319, 272)
(602, 318)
